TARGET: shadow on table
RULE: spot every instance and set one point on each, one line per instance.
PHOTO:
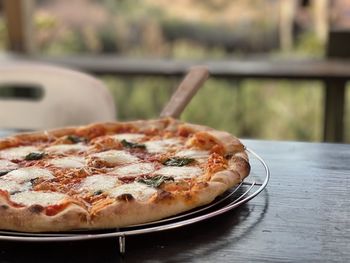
(178, 245)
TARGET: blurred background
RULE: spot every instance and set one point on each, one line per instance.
(139, 32)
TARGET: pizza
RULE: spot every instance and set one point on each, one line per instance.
(110, 175)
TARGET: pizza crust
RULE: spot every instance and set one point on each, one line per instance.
(33, 218)
(125, 210)
(238, 163)
(130, 212)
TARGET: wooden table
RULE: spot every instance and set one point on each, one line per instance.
(302, 216)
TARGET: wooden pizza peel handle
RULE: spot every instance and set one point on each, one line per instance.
(185, 91)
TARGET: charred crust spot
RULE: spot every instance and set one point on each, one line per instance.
(36, 209)
(4, 172)
(4, 207)
(228, 156)
(163, 195)
(125, 197)
(98, 192)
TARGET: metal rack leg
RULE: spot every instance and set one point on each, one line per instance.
(122, 244)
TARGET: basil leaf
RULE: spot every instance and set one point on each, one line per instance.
(127, 144)
(177, 161)
(155, 181)
(76, 139)
(34, 156)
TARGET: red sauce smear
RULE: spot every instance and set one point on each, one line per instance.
(55, 209)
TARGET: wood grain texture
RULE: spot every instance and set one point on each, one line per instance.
(303, 216)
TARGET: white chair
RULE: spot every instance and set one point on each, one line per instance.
(64, 97)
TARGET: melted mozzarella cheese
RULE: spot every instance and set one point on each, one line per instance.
(6, 165)
(64, 148)
(116, 157)
(12, 186)
(98, 182)
(28, 173)
(199, 155)
(180, 172)
(131, 137)
(139, 191)
(161, 146)
(135, 169)
(17, 153)
(37, 198)
(68, 162)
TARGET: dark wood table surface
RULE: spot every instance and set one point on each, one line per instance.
(302, 216)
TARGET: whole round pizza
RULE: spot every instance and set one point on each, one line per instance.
(110, 175)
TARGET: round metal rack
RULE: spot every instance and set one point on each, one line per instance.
(245, 191)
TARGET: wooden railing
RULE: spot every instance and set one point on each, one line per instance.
(334, 73)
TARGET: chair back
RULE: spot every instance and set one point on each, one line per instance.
(36, 96)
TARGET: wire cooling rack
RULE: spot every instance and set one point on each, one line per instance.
(240, 194)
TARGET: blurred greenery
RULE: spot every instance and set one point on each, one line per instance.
(3, 37)
(249, 108)
(288, 110)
